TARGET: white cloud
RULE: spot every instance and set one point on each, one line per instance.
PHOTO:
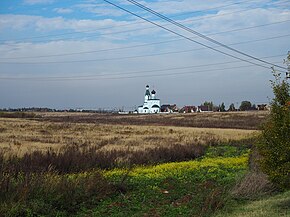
(253, 80)
(100, 9)
(202, 6)
(253, 17)
(33, 2)
(28, 23)
(16, 22)
(22, 22)
(173, 7)
(63, 10)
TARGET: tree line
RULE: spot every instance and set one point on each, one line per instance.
(244, 106)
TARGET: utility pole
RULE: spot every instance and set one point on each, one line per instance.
(287, 61)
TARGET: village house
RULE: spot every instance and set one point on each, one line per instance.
(167, 108)
(263, 107)
(203, 108)
(188, 109)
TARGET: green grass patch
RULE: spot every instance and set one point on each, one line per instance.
(226, 151)
(172, 189)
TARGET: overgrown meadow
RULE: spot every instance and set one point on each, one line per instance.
(94, 169)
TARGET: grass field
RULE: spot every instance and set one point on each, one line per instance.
(230, 120)
(75, 164)
(21, 135)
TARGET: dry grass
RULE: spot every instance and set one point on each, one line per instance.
(229, 120)
(21, 136)
(254, 185)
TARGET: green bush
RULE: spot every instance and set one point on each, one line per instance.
(274, 144)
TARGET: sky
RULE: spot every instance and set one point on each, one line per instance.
(90, 54)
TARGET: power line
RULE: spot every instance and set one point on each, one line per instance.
(253, 27)
(86, 31)
(133, 30)
(136, 76)
(135, 46)
(132, 72)
(137, 56)
(196, 33)
(186, 37)
(118, 32)
(227, 31)
(169, 30)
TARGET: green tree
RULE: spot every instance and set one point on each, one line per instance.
(209, 105)
(232, 107)
(245, 105)
(274, 144)
(222, 107)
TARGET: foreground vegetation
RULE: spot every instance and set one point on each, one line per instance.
(274, 145)
(171, 189)
(85, 169)
(200, 187)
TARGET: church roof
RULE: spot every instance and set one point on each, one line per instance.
(147, 93)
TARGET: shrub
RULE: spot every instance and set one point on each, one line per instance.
(74, 158)
(274, 144)
(41, 190)
(42, 193)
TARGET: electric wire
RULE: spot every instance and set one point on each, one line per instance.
(120, 32)
(134, 56)
(129, 24)
(240, 42)
(139, 76)
(199, 34)
(174, 33)
(131, 30)
(169, 30)
(134, 46)
(132, 72)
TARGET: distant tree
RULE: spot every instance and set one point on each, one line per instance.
(232, 107)
(222, 107)
(245, 105)
(209, 105)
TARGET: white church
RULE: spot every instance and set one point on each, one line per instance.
(151, 104)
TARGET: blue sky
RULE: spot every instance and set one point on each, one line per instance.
(89, 54)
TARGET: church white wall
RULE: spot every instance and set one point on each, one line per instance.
(150, 105)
